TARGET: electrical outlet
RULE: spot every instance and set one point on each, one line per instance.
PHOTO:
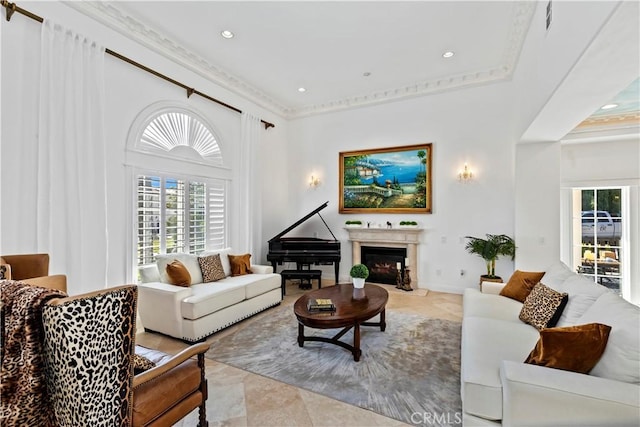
(443, 239)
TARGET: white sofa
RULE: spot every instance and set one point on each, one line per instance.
(497, 388)
(195, 312)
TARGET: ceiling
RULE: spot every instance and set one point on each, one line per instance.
(345, 54)
(328, 47)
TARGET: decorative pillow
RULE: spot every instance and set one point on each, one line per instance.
(572, 348)
(556, 274)
(190, 262)
(520, 284)
(583, 292)
(5, 272)
(211, 267)
(141, 364)
(621, 358)
(240, 264)
(178, 274)
(543, 307)
(224, 258)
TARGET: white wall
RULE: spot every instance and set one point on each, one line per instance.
(129, 90)
(472, 125)
(537, 205)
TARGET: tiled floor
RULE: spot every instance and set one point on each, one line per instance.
(240, 398)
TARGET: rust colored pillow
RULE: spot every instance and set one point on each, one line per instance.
(572, 348)
(520, 284)
(240, 264)
(178, 274)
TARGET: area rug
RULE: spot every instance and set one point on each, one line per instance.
(410, 372)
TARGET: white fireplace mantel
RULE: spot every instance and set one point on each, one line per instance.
(408, 238)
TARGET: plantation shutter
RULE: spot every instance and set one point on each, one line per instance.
(197, 217)
(148, 218)
(217, 208)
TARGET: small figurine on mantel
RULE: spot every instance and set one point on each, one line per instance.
(388, 224)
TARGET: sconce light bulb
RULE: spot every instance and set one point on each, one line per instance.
(466, 174)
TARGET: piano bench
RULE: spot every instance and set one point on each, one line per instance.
(302, 275)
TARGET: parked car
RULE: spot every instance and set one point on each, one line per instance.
(602, 224)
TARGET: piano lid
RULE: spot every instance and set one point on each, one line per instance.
(306, 217)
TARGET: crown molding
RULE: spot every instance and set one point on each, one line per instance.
(110, 15)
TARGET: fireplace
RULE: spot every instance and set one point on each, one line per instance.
(383, 263)
(405, 238)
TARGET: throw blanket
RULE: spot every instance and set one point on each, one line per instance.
(23, 391)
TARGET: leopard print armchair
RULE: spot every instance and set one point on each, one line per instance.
(89, 345)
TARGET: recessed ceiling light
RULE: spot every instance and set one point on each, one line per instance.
(448, 54)
(227, 34)
(301, 89)
(608, 106)
(366, 74)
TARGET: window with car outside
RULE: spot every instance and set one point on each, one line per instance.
(599, 245)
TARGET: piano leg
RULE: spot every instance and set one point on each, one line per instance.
(336, 266)
(273, 264)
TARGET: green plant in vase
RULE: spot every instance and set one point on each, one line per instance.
(490, 249)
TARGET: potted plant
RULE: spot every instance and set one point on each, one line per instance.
(353, 223)
(359, 272)
(490, 249)
(408, 224)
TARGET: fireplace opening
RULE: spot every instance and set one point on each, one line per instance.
(383, 263)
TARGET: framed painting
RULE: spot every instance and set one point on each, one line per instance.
(386, 180)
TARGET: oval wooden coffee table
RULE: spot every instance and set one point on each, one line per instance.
(352, 311)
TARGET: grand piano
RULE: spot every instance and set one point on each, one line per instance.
(305, 250)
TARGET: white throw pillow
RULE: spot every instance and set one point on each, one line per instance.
(556, 274)
(583, 292)
(189, 261)
(621, 358)
(224, 258)
(149, 273)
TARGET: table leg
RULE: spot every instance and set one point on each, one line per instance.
(356, 342)
(300, 334)
(383, 323)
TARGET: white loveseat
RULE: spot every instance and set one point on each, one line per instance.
(497, 388)
(195, 312)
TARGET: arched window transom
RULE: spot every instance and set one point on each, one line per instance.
(182, 135)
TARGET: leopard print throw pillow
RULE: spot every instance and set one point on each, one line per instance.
(211, 267)
(141, 364)
(543, 306)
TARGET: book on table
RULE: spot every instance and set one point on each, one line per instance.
(320, 304)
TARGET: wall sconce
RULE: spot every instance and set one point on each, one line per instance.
(314, 181)
(466, 175)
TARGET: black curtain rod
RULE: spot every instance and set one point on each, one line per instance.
(11, 8)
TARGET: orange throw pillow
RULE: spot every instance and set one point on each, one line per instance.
(178, 274)
(572, 348)
(240, 264)
(520, 284)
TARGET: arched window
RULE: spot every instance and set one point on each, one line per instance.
(176, 212)
(182, 134)
(176, 132)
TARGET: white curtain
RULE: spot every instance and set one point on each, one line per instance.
(249, 223)
(71, 194)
